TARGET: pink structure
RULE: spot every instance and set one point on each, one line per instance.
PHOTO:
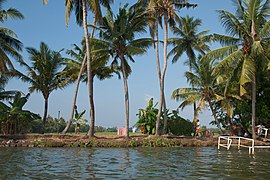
(121, 131)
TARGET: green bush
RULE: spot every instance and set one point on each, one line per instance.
(179, 126)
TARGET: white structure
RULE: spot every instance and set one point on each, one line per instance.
(229, 142)
(236, 141)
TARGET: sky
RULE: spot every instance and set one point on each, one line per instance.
(46, 23)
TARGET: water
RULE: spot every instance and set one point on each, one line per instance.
(135, 163)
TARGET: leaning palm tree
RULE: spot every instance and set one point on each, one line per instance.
(10, 46)
(188, 41)
(81, 7)
(166, 9)
(119, 32)
(99, 67)
(204, 90)
(245, 46)
(44, 74)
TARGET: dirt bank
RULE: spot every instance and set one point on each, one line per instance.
(60, 140)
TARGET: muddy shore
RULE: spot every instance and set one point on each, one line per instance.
(60, 140)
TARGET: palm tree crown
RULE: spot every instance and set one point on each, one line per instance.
(119, 32)
(10, 46)
(189, 40)
(204, 90)
(44, 74)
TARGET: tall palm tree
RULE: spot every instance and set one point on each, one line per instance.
(10, 46)
(98, 63)
(188, 41)
(204, 90)
(44, 74)
(153, 28)
(245, 46)
(119, 32)
(166, 9)
(81, 7)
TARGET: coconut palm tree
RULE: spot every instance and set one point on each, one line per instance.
(204, 90)
(44, 74)
(119, 31)
(245, 46)
(81, 7)
(10, 46)
(166, 9)
(98, 63)
(188, 41)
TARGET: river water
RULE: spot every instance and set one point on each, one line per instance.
(134, 163)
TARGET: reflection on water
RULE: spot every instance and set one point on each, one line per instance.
(145, 163)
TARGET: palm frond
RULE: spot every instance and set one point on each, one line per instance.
(220, 53)
(248, 70)
(226, 40)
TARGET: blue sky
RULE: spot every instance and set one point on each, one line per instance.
(47, 23)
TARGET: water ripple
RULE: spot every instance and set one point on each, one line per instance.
(120, 163)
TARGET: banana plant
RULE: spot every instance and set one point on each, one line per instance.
(14, 119)
(147, 118)
(79, 120)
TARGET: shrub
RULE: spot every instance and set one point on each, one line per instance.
(179, 126)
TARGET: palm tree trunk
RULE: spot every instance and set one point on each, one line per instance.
(194, 104)
(156, 46)
(75, 96)
(253, 33)
(165, 127)
(92, 104)
(77, 88)
(126, 93)
(92, 107)
(253, 106)
(45, 115)
(87, 43)
(163, 72)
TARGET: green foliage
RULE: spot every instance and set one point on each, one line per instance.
(147, 118)
(79, 121)
(14, 119)
(245, 50)
(10, 46)
(179, 126)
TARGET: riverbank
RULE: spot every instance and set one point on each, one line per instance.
(100, 140)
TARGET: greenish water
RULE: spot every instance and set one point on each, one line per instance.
(135, 163)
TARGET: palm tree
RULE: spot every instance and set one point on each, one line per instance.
(80, 7)
(10, 46)
(153, 28)
(204, 90)
(188, 41)
(166, 9)
(98, 63)
(245, 46)
(119, 32)
(44, 74)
